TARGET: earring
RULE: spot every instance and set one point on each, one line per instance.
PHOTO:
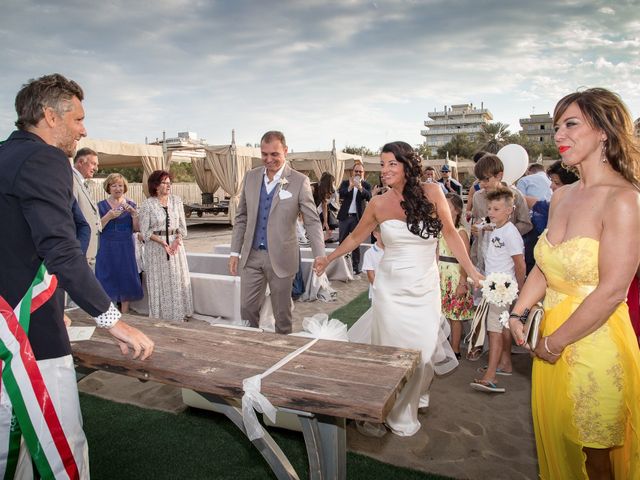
(603, 155)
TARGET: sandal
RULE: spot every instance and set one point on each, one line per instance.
(499, 371)
(474, 354)
(486, 386)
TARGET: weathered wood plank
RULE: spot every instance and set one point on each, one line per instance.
(331, 378)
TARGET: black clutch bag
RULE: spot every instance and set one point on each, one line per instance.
(532, 325)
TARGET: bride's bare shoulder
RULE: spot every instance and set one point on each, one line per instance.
(433, 191)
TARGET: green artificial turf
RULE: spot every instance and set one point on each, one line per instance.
(128, 442)
(353, 310)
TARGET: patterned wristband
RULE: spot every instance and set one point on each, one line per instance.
(109, 318)
(522, 318)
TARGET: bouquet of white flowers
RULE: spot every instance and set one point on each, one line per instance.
(500, 289)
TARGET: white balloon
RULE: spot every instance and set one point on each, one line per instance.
(515, 160)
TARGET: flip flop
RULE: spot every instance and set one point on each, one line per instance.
(486, 386)
(499, 371)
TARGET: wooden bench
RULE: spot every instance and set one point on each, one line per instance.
(327, 384)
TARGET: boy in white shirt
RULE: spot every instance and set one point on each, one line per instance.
(372, 258)
(504, 254)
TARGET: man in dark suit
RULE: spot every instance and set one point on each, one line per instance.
(451, 185)
(264, 232)
(36, 201)
(354, 193)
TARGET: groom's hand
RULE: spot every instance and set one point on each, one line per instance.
(233, 265)
(319, 265)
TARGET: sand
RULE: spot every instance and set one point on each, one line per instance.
(465, 434)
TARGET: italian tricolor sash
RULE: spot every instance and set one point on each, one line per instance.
(23, 389)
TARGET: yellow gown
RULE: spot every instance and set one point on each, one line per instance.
(591, 396)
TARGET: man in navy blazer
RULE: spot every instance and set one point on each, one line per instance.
(36, 201)
(354, 193)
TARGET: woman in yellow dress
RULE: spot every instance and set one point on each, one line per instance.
(585, 394)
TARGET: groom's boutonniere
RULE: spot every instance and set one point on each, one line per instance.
(283, 193)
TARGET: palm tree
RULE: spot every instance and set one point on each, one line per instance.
(493, 136)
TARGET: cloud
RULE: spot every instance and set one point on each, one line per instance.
(359, 71)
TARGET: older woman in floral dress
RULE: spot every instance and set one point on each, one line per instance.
(163, 226)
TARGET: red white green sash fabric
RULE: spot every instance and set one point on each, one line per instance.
(23, 389)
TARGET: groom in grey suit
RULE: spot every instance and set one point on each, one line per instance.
(264, 244)
(85, 165)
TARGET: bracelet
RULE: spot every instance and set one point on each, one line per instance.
(522, 318)
(546, 347)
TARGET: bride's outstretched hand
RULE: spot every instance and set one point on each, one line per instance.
(320, 265)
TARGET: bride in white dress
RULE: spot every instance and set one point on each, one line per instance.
(406, 310)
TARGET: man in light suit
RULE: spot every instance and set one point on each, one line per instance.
(85, 165)
(264, 244)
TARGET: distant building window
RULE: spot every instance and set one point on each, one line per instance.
(541, 127)
(541, 139)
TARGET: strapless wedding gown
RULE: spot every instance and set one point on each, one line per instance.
(406, 313)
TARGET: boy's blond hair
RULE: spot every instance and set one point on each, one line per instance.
(501, 193)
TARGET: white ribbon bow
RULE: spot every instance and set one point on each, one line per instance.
(253, 399)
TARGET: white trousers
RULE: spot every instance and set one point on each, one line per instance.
(60, 378)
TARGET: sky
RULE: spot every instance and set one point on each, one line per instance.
(361, 72)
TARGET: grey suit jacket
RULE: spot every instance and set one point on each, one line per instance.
(90, 211)
(284, 252)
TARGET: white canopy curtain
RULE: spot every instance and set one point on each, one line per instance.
(329, 164)
(205, 178)
(229, 165)
(150, 165)
(332, 161)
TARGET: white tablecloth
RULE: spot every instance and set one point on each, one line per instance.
(338, 270)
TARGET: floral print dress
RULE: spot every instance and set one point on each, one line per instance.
(453, 307)
(168, 284)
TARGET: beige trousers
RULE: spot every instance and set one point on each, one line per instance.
(254, 278)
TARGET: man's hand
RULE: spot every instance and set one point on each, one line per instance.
(128, 336)
(233, 265)
(320, 265)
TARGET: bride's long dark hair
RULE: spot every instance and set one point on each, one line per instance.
(422, 218)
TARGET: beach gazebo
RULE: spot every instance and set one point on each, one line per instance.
(113, 154)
